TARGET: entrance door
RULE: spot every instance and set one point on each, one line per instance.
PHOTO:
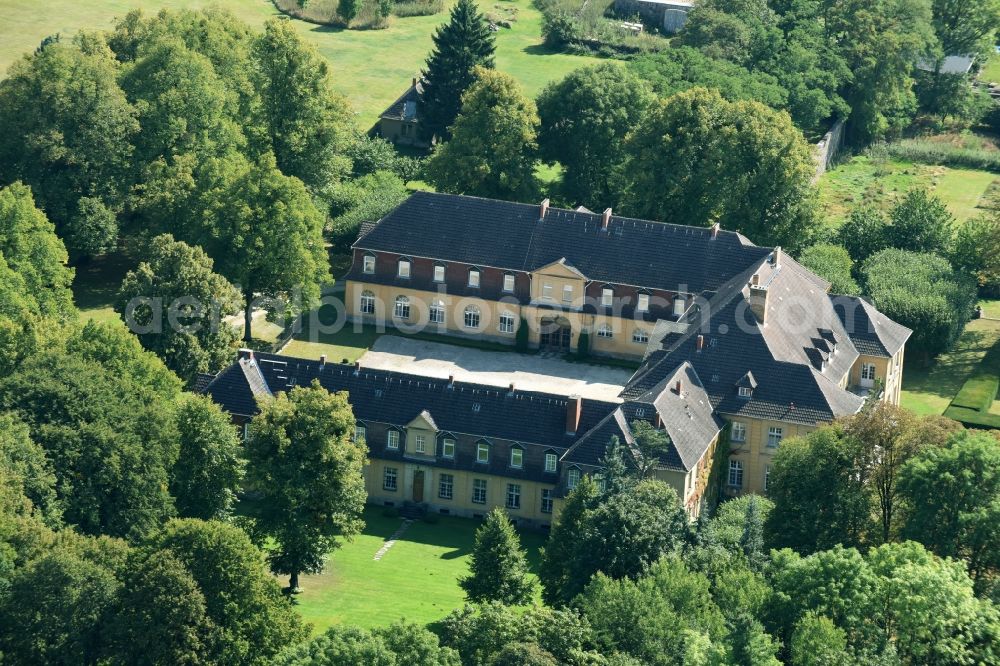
(555, 336)
(418, 487)
(867, 374)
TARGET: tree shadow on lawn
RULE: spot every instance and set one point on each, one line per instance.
(458, 535)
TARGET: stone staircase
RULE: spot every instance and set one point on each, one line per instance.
(412, 510)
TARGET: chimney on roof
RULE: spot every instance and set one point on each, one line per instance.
(776, 257)
(715, 231)
(451, 381)
(246, 353)
(543, 208)
(357, 367)
(701, 342)
(414, 82)
(510, 389)
(658, 421)
(574, 407)
(758, 300)
(678, 387)
(322, 361)
(605, 219)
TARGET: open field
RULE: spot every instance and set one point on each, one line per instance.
(415, 580)
(370, 67)
(864, 179)
(929, 390)
(991, 72)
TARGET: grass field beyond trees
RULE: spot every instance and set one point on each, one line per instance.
(415, 580)
(371, 67)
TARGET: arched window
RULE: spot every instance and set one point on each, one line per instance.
(402, 310)
(605, 331)
(367, 302)
(472, 317)
(437, 312)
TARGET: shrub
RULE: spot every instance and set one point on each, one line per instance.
(943, 154)
(521, 337)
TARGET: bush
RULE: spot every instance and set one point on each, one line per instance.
(521, 337)
(583, 345)
(418, 8)
(943, 154)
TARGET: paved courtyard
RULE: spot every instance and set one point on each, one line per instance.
(528, 372)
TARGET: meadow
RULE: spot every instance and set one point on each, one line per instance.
(370, 67)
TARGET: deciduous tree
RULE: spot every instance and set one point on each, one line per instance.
(302, 460)
(699, 159)
(584, 120)
(493, 145)
(832, 263)
(177, 307)
(920, 223)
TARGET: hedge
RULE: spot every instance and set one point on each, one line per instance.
(978, 393)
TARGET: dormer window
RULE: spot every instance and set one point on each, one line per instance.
(572, 478)
(482, 452)
(643, 305)
(516, 458)
(551, 461)
(473, 277)
(607, 296)
(368, 264)
(679, 306)
(508, 282)
(746, 392)
(403, 268)
(439, 272)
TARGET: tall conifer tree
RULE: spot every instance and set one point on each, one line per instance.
(459, 46)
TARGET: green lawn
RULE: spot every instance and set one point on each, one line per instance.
(991, 72)
(863, 179)
(929, 389)
(371, 67)
(416, 580)
(96, 285)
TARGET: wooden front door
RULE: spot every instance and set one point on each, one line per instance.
(418, 487)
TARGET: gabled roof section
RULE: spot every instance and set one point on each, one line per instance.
(561, 267)
(423, 420)
(802, 326)
(747, 381)
(687, 417)
(511, 236)
(406, 105)
(237, 388)
(872, 333)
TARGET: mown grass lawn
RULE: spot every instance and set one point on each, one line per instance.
(882, 182)
(416, 580)
(929, 389)
(96, 284)
(371, 67)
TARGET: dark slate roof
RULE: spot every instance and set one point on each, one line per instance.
(686, 417)
(398, 110)
(201, 381)
(792, 384)
(872, 332)
(510, 236)
(397, 398)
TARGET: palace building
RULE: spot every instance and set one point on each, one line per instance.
(740, 348)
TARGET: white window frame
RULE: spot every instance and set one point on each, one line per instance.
(403, 268)
(506, 324)
(446, 444)
(446, 481)
(517, 457)
(401, 309)
(680, 304)
(735, 473)
(435, 314)
(567, 295)
(367, 304)
(359, 433)
(390, 474)
(640, 336)
(368, 264)
(642, 305)
(605, 331)
(774, 436)
(481, 448)
(513, 496)
(547, 291)
(419, 443)
(472, 317)
(546, 500)
(438, 273)
(607, 297)
(479, 490)
(508, 282)
(392, 440)
(474, 277)
(551, 462)
(746, 392)
(572, 477)
(739, 432)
